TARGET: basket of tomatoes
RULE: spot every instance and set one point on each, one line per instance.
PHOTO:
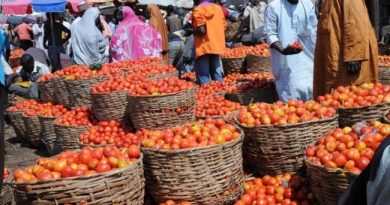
(33, 127)
(366, 102)
(46, 117)
(68, 128)
(259, 90)
(210, 89)
(198, 162)
(161, 103)
(6, 193)
(276, 134)
(89, 176)
(340, 156)
(47, 88)
(14, 59)
(258, 59)
(109, 98)
(233, 60)
(215, 106)
(384, 70)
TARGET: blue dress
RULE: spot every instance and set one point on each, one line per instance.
(287, 23)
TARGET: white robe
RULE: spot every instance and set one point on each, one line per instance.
(38, 36)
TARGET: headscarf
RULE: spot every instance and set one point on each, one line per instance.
(157, 22)
(88, 43)
(134, 39)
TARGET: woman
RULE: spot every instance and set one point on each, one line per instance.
(88, 42)
(134, 39)
(157, 21)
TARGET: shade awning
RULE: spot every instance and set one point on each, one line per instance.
(49, 5)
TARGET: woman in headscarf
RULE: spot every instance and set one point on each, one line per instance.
(157, 21)
(88, 42)
(134, 39)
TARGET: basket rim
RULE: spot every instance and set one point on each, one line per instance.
(14, 111)
(251, 55)
(363, 107)
(165, 95)
(112, 172)
(181, 151)
(82, 79)
(384, 116)
(47, 117)
(334, 117)
(111, 92)
(335, 171)
(234, 58)
(69, 126)
(24, 115)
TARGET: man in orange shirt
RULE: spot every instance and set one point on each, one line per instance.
(209, 26)
(23, 31)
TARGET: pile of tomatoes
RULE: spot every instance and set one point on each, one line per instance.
(384, 61)
(53, 111)
(17, 53)
(245, 86)
(126, 64)
(285, 189)
(117, 83)
(160, 86)
(235, 77)
(292, 112)
(46, 77)
(152, 69)
(242, 51)
(88, 161)
(23, 105)
(356, 96)
(259, 50)
(108, 132)
(214, 87)
(215, 106)
(190, 135)
(349, 148)
(77, 117)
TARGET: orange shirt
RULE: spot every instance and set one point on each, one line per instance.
(213, 42)
(23, 30)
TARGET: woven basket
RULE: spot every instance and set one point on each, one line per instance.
(110, 106)
(328, 185)
(233, 65)
(47, 91)
(16, 119)
(350, 116)
(257, 64)
(385, 118)
(48, 134)
(14, 62)
(120, 186)
(80, 90)
(266, 94)
(158, 112)
(278, 149)
(164, 75)
(384, 75)
(62, 94)
(208, 175)
(33, 130)
(6, 193)
(67, 137)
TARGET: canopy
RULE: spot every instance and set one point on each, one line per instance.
(49, 5)
(26, 6)
(17, 7)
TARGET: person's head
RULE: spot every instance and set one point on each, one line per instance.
(40, 20)
(82, 7)
(118, 14)
(255, 2)
(293, 1)
(171, 10)
(27, 63)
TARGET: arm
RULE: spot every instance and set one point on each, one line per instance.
(67, 31)
(199, 23)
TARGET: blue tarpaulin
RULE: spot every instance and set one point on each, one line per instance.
(49, 5)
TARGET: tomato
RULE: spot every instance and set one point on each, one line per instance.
(134, 151)
(352, 154)
(362, 163)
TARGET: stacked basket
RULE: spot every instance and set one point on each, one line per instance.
(262, 94)
(17, 123)
(384, 75)
(48, 133)
(62, 94)
(79, 90)
(233, 65)
(33, 130)
(257, 64)
(350, 116)
(47, 91)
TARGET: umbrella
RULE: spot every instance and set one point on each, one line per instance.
(26, 6)
(17, 7)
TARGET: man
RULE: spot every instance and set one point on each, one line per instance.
(38, 55)
(30, 70)
(288, 21)
(38, 33)
(173, 22)
(347, 50)
(209, 25)
(23, 32)
(254, 19)
(53, 41)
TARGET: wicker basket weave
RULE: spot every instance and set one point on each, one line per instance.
(208, 175)
(233, 65)
(62, 94)
(385, 118)
(48, 134)
(278, 149)
(6, 193)
(80, 90)
(326, 184)
(266, 94)
(158, 112)
(350, 116)
(67, 137)
(16, 119)
(164, 75)
(33, 130)
(47, 91)
(384, 75)
(257, 64)
(110, 106)
(120, 186)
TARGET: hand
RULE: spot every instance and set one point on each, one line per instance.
(353, 67)
(289, 50)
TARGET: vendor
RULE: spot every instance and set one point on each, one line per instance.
(30, 70)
